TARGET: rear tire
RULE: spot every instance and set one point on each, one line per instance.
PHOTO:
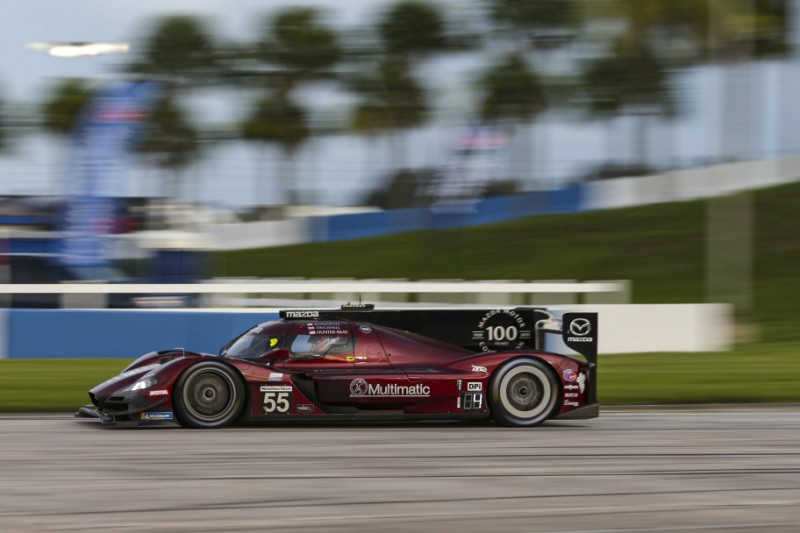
(523, 392)
(208, 395)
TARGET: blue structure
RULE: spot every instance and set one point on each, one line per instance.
(473, 213)
(77, 333)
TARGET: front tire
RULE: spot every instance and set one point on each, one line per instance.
(208, 395)
(523, 392)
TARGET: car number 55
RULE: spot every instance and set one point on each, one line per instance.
(279, 402)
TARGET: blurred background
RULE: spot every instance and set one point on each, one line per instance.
(398, 103)
(196, 140)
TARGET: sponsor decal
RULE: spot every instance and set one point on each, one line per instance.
(503, 329)
(360, 388)
(570, 403)
(351, 358)
(326, 328)
(580, 327)
(302, 314)
(569, 375)
(365, 329)
(257, 330)
(304, 408)
(571, 395)
(476, 368)
(571, 387)
(276, 388)
(458, 383)
(273, 342)
(157, 415)
(582, 381)
(158, 393)
(474, 386)
(275, 376)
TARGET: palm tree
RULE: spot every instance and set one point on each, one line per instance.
(412, 29)
(633, 81)
(298, 47)
(541, 26)
(512, 94)
(3, 126)
(63, 105)
(542, 23)
(61, 111)
(170, 141)
(181, 53)
(178, 49)
(275, 118)
(392, 100)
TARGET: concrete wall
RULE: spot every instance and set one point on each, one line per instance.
(691, 184)
(61, 333)
(258, 234)
(638, 328)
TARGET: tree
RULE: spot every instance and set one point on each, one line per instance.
(411, 29)
(392, 101)
(512, 93)
(633, 81)
(3, 131)
(295, 48)
(177, 49)
(705, 31)
(63, 105)
(275, 118)
(543, 23)
(299, 46)
(170, 141)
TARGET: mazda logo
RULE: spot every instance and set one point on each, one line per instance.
(580, 327)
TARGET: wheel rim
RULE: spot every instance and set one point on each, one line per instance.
(525, 392)
(209, 396)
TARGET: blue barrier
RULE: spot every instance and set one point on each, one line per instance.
(30, 245)
(475, 213)
(67, 333)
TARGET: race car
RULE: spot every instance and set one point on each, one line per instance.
(363, 363)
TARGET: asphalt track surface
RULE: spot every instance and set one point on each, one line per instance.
(643, 470)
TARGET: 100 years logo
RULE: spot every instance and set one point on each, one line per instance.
(502, 329)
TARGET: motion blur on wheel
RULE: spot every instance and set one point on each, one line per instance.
(519, 367)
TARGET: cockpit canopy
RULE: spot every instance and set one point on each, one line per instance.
(302, 340)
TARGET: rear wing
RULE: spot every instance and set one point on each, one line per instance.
(479, 330)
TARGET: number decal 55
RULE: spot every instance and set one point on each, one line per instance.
(277, 402)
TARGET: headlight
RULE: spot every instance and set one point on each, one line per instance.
(144, 383)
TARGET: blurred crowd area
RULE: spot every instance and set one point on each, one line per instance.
(418, 103)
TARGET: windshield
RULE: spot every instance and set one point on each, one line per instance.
(256, 342)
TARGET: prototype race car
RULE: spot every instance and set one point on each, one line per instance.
(358, 362)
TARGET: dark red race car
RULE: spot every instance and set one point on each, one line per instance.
(358, 362)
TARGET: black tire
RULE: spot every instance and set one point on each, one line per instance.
(208, 395)
(523, 392)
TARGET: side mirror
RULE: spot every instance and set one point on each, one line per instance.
(276, 355)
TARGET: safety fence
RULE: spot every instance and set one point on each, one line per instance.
(127, 333)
